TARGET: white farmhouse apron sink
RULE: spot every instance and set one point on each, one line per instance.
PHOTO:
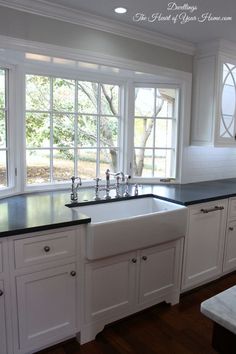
(121, 226)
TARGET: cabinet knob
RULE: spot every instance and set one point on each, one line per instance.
(46, 248)
(231, 228)
(1, 292)
(134, 260)
(144, 258)
(73, 273)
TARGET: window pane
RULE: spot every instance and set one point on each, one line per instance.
(165, 102)
(87, 163)
(63, 130)
(144, 101)
(109, 99)
(2, 89)
(164, 136)
(143, 159)
(37, 93)
(162, 163)
(87, 97)
(3, 169)
(2, 129)
(108, 159)
(109, 128)
(63, 95)
(38, 166)
(37, 130)
(63, 164)
(143, 132)
(87, 131)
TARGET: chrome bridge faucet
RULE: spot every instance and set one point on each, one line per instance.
(74, 188)
(119, 176)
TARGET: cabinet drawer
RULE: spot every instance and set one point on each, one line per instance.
(232, 208)
(41, 249)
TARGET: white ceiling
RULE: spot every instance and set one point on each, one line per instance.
(194, 31)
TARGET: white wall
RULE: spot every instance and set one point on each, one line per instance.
(203, 163)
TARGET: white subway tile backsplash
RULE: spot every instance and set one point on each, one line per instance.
(204, 163)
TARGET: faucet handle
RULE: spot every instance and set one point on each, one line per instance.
(127, 177)
(73, 178)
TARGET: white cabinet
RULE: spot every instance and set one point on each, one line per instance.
(110, 286)
(230, 248)
(160, 273)
(230, 241)
(121, 285)
(46, 306)
(3, 337)
(204, 243)
(44, 279)
(214, 97)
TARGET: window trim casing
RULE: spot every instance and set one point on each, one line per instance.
(12, 170)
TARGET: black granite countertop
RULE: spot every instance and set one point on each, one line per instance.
(47, 210)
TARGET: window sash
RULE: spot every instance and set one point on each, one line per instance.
(75, 146)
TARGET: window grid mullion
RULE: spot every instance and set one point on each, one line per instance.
(76, 117)
(154, 133)
(98, 172)
(51, 129)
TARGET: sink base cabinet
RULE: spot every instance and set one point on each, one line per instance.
(118, 286)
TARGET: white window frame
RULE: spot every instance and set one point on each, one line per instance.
(11, 127)
(15, 59)
(80, 76)
(176, 140)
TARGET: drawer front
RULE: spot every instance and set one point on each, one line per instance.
(232, 208)
(46, 248)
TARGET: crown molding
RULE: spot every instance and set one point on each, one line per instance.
(218, 46)
(58, 12)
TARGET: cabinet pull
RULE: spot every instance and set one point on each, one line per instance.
(1, 292)
(134, 260)
(73, 273)
(216, 208)
(46, 248)
(231, 228)
(144, 258)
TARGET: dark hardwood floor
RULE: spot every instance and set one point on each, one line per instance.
(162, 329)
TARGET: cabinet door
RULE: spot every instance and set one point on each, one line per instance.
(3, 342)
(204, 243)
(159, 272)
(230, 248)
(110, 286)
(46, 306)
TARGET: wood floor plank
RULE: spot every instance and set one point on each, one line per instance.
(162, 329)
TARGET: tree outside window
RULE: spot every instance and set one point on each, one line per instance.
(72, 127)
(155, 131)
